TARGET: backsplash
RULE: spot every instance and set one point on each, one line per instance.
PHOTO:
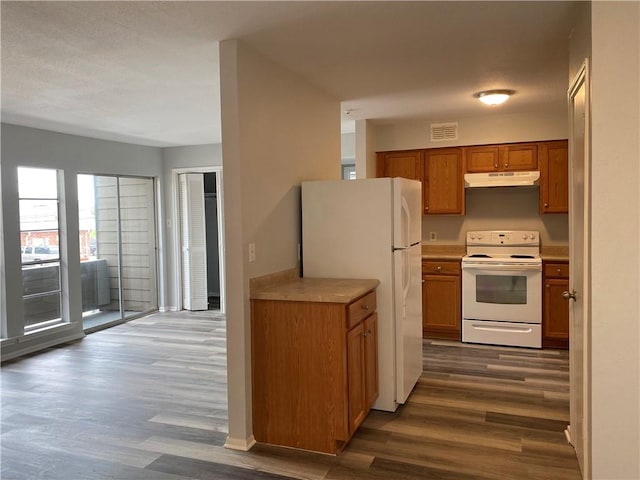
(501, 208)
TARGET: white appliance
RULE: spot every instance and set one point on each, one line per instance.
(502, 179)
(502, 289)
(372, 228)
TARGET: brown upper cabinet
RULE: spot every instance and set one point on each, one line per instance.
(501, 158)
(405, 164)
(441, 171)
(482, 159)
(554, 177)
(519, 156)
(443, 182)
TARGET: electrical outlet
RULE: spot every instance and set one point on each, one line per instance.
(433, 236)
(252, 252)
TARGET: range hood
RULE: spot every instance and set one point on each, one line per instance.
(501, 179)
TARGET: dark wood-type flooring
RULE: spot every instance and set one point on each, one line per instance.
(147, 400)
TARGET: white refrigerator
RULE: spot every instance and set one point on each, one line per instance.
(372, 228)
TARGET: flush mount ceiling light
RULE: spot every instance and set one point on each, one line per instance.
(494, 97)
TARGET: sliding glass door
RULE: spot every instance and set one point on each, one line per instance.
(117, 248)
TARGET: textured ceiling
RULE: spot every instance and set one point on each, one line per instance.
(147, 72)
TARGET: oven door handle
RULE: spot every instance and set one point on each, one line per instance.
(501, 267)
(502, 329)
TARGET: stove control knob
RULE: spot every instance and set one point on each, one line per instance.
(473, 236)
(525, 236)
(480, 236)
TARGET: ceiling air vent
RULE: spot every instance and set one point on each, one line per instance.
(444, 131)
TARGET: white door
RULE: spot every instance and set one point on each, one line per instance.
(578, 294)
(194, 241)
(407, 212)
(408, 316)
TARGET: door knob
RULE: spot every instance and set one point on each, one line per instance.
(569, 295)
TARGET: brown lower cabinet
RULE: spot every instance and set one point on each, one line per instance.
(555, 309)
(314, 371)
(441, 299)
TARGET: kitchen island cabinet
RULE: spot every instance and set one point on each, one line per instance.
(555, 309)
(441, 299)
(314, 361)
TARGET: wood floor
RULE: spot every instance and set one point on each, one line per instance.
(147, 400)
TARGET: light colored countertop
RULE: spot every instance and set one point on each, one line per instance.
(443, 252)
(330, 290)
(558, 253)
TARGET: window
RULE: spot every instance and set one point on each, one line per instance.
(39, 242)
(348, 172)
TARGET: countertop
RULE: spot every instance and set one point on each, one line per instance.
(558, 253)
(330, 290)
(443, 252)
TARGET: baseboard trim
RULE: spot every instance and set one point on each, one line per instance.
(242, 444)
(25, 347)
(168, 309)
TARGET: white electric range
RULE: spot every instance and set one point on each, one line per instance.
(502, 288)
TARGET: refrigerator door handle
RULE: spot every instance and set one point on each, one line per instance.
(407, 274)
(405, 222)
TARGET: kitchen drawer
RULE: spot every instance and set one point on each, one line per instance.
(360, 309)
(558, 270)
(430, 267)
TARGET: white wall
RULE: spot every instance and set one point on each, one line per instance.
(348, 148)
(271, 142)
(497, 209)
(486, 209)
(365, 149)
(615, 235)
(580, 39)
(490, 128)
(71, 154)
(196, 158)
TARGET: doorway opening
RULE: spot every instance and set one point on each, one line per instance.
(212, 242)
(200, 240)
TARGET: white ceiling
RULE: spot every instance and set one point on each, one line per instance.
(147, 72)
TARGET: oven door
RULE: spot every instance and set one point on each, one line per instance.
(503, 293)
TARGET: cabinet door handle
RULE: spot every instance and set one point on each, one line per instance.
(546, 205)
(438, 268)
(426, 207)
(495, 165)
(506, 165)
(367, 333)
(365, 307)
(559, 270)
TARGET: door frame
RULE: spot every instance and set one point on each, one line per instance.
(581, 80)
(176, 237)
